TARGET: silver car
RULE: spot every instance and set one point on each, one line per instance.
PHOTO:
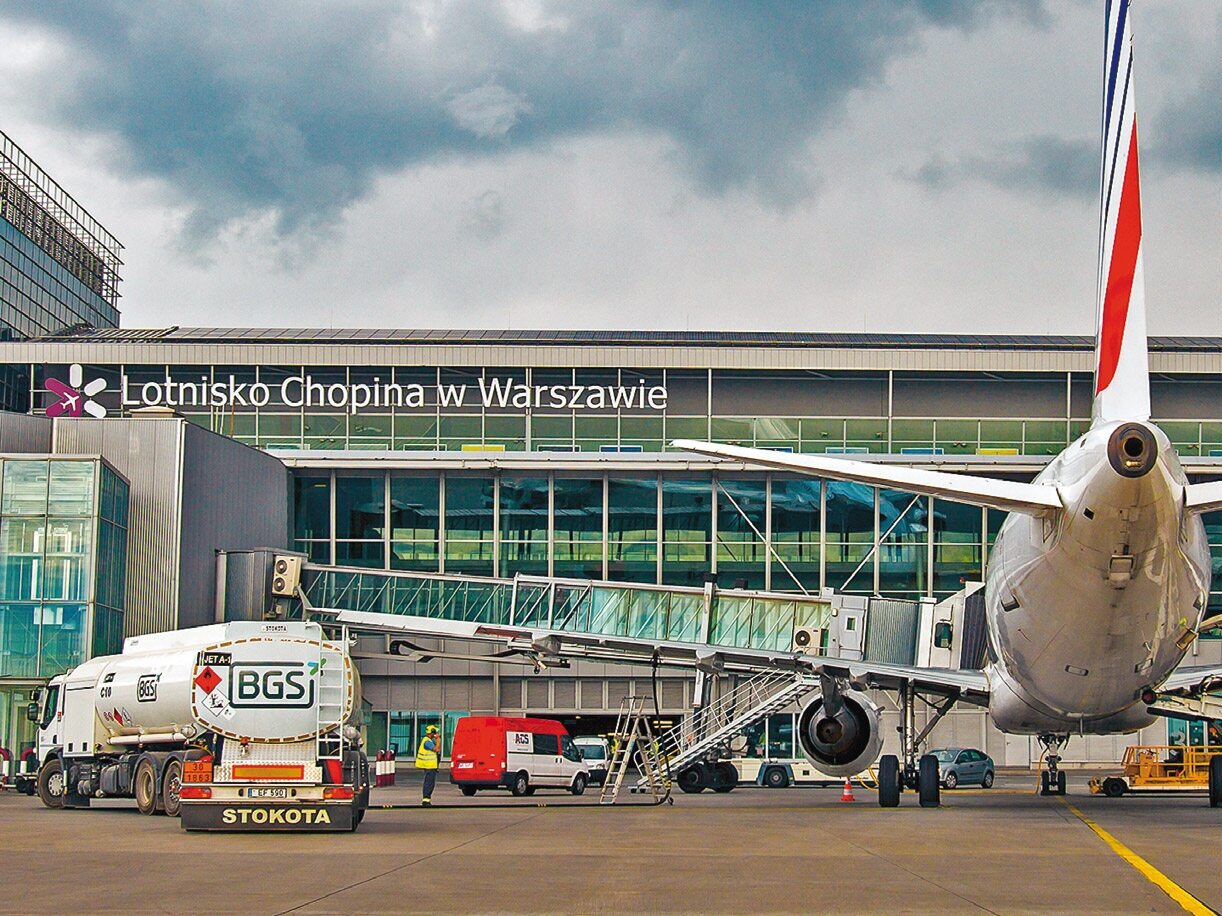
(964, 765)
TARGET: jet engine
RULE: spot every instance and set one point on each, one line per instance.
(846, 741)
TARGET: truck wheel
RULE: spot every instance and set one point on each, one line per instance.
(468, 791)
(776, 778)
(171, 788)
(51, 783)
(1113, 787)
(579, 784)
(521, 785)
(145, 786)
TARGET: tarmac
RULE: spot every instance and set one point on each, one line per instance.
(1001, 850)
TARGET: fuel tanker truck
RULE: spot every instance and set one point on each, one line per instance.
(235, 726)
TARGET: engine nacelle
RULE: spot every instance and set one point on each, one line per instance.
(845, 744)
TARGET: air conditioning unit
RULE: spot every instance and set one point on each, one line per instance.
(808, 640)
(286, 575)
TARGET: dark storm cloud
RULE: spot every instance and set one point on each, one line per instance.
(1192, 130)
(1043, 164)
(295, 108)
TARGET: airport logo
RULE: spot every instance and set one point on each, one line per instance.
(75, 399)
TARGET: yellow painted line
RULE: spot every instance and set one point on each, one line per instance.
(1186, 901)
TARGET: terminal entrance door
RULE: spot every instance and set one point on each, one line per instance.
(16, 731)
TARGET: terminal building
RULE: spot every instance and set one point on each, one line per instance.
(547, 453)
(144, 471)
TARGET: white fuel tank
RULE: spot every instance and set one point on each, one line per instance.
(260, 682)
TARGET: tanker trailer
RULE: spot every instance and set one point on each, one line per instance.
(235, 726)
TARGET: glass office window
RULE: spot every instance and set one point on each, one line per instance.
(903, 556)
(469, 525)
(24, 488)
(21, 561)
(312, 507)
(423, 721)
(70, 488)
(958, 551)
(741, 527)
(632, 523)
(360, 507)
(687, 530)
(402, 729)
(850, 536)
(795, 534)
(415, 504)
(577, 550)
(63, 639)
(524, 520)
(18, 640)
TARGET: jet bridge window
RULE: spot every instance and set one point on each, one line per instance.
(942, 634)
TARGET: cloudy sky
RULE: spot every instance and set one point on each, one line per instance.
(839, 165)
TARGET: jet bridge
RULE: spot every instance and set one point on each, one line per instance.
(708, 628)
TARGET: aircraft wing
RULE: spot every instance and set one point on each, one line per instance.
(972, 686)
(1193, 679)
(1006, 495)
(1204, 497)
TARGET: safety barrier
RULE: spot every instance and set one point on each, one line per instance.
(384, 768)
(6, 765)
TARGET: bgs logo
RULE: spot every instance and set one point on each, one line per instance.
(146, 688)
(264, 685)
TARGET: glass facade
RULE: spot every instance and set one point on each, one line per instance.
(58, 266)
(63, 561)
(761, 531)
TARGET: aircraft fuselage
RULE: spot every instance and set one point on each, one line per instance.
(1089, 605)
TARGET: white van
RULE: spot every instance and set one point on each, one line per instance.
(596, 752)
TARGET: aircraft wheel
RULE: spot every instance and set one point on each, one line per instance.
(928, 788)
(1215, 781)
(1044, 783)
(1060, 782)
(889, 781)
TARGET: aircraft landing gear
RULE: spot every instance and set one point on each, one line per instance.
(918, 774)
(1052, 780)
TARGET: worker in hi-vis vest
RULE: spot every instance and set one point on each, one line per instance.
(427, 756)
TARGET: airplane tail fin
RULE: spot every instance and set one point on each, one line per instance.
(1122, 374)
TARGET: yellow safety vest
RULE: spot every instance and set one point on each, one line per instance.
(426, 759)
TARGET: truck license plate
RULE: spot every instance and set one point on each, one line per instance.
(465, 766)
(267, 792)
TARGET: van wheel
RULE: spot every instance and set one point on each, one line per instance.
(579, 784)
(468, 791)
(146, 786)
(171, 788)
(776, 778)
(521, 785)
(51, 783)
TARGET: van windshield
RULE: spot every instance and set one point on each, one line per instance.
(592, 751)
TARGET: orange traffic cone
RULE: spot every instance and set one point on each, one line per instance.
(847, 795)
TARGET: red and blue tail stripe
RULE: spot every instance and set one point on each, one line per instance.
(1122, 388)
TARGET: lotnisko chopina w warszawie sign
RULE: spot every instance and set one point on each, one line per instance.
(228, 391)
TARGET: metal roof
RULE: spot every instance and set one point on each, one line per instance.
(538, 338)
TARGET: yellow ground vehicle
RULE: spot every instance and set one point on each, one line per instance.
(1159, 768)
